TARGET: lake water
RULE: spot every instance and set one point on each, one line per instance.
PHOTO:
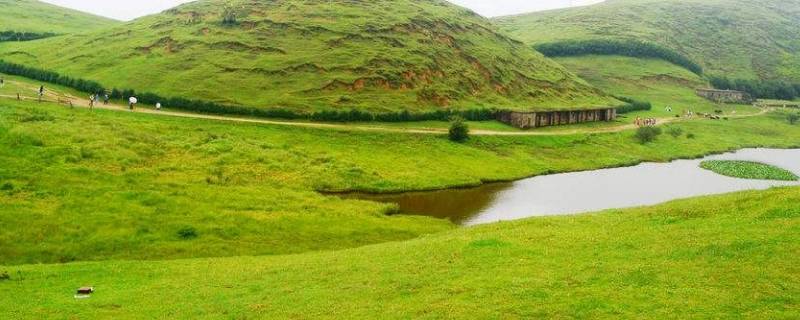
(572, 193)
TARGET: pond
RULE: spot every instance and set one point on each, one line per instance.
(573, 193)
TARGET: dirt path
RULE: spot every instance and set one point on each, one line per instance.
(61, 98)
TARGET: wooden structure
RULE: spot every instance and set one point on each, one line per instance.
(538, 119)
(777, 104)
(725, 96)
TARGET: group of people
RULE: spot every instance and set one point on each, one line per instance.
(645, 122)
(93, 99)
(132, 101)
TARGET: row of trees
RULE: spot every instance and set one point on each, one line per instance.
(632, 105)
(50, 77)
(764, 89)
(630, 48)
(23, 36)
(216, 108)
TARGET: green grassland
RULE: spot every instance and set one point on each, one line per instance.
(81, 185)
(739, 38)
(29, 89)
(749, 170)
(659, 82)
(376, 56)
(39, 17)
(732, 256)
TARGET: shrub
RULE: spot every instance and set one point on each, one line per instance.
(690, 136)
(229, 16)
(4, 276)
(632, 105)
(8, 186)
(23, 36)
(459, 131)
(630, 48)
(187, 233)
(793, 118)
(764, 89)
(647, 134)
(675, 132)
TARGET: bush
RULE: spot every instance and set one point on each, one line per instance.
(632, 105)
(23, 36)
(690, 136)
(793, 118)
(630, 48)
(4, 276)
(764, 89)
(675, 132)
(459, 131)
(8, 186)
(229, 16)
(187, 233)
(647, 134)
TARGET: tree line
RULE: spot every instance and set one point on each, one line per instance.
(23, 36)
(763, 89)
(632, 105)
(630, 48)
(201, 106)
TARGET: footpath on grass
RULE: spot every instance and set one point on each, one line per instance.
(67, 99)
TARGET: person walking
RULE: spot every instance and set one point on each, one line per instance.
(91, 102)
(2, 82)
(105, 99)
(158, 106)
(41, 92)
(131, 102)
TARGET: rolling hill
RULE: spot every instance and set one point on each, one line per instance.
(31, 16)
(376, 56)
(736, 38)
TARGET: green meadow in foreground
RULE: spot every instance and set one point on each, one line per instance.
(80, 185)
(748, 170)
(729, 257)
(377, 56)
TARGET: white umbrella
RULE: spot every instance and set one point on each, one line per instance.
(133, 100)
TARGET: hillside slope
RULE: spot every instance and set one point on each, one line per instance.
(668, 87)
(38, 17)
(737, 38)
(303, 55)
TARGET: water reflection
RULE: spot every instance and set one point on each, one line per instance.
(571, 193)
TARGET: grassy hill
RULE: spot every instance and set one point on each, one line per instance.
(659, 82)
(731, 256)
(33, 16)
(737, 38)
(306, 55)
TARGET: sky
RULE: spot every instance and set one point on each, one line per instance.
(128, 10)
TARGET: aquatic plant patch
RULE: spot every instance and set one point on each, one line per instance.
(749, 170)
